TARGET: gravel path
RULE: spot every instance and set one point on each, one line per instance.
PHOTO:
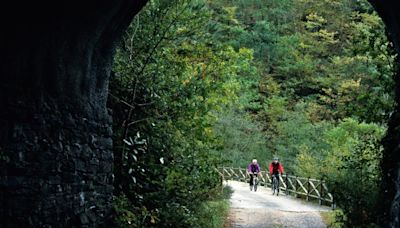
(262, 209)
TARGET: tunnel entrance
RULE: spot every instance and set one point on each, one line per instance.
(55, 137)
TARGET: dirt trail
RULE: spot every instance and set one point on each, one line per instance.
(262, 209)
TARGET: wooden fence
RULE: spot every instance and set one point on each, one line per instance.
(307, 188)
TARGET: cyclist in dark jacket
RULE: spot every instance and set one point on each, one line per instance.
(252, 168)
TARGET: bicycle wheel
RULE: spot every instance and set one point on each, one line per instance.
(274, 184)
(255, 183)
(277, 185)
(252, 181)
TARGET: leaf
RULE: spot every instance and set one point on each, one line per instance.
(127, 142)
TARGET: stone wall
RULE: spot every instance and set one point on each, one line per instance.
(60, 169)
(55, 131)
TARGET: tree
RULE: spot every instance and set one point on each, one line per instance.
(164, 112)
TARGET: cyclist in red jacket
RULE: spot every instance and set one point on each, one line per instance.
(275, 169)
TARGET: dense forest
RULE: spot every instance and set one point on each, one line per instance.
(200, 84)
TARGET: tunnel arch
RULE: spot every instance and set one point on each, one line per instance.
(55, 133)
(388, 11)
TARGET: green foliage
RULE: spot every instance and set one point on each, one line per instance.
(296, 134)
(200, 84)
(213, 213)
(334, 219)
(126, 215)
(353, 169)
(165, 101)
(240, 140)
(325, 91)
(340, 219)
(350, 165)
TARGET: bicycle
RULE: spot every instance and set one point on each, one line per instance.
(255, 181)
(275, 184)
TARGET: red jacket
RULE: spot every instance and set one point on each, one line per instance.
(275, 168)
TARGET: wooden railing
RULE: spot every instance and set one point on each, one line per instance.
(302, 187)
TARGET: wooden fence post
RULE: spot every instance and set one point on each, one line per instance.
(287, 184)
(296, 187)
(308, 189)
(321, 193)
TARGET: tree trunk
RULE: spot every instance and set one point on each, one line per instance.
(55, 133)
(389, 12)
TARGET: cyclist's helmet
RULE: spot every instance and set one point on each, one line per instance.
(276, 158)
